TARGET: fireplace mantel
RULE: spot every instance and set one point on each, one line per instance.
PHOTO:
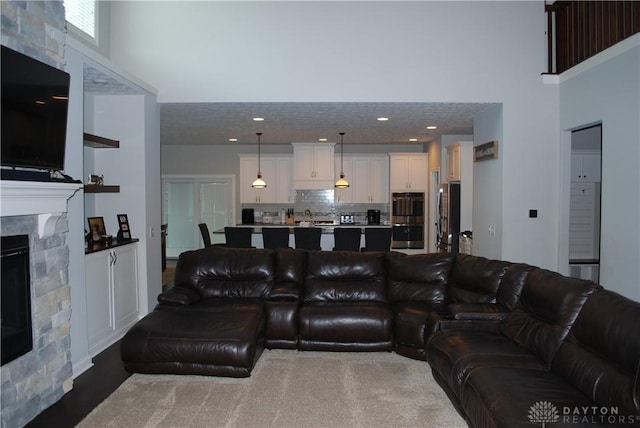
(48, 200)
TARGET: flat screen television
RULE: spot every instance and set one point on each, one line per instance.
(35, 98)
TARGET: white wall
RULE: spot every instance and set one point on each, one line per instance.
(608, 92)
(375, 51)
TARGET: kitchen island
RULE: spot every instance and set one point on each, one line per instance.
(326, 240)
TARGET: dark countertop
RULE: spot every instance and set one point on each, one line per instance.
(99, 247)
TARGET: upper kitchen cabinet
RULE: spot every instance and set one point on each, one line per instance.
(408, 172)
(313, 165)
(453, 162)
(276, 171)
(368, 178)
(585, 166)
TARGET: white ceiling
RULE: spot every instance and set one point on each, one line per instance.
(287, 122)
(216, 123)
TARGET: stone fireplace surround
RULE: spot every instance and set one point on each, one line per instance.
(34, 381)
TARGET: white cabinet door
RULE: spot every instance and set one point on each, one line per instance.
(379, 180)
(359, 181)
(346, 166)
(249, 172)
(585, 167)
(453, 163)
(368, 178)
(111, 279)
(313, 166)
(99, 297)
(125, 285)
(408, 172)
(284, 182)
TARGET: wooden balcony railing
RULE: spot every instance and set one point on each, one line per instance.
(577, 30)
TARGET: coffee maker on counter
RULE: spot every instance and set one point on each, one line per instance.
(373, 217)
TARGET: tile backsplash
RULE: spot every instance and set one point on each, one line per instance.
(323, 206)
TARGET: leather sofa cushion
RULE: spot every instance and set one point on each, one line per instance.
(347, 323)
(290, 266)
(548, 306)
(419, 277)
(453, 354)
(344, 276)
(599, 356)
(219, 271)
(184, 341)
(512, 284)
(475, 279)
(501, 396)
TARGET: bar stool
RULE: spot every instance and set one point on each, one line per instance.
(377, 239)
(275, 237)
(346, 238)
(238, 237)
(307, 238)
(204, 231)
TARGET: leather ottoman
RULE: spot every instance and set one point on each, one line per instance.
(193, 342)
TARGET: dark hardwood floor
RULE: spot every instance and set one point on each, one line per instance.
(89, 390)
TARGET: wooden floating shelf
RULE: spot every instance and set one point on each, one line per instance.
(97, 142)
(99, 188)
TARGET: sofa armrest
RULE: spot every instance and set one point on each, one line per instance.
(477, 311)
(178, 296)
(285, 291)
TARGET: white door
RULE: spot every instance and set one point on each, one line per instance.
(189, 201)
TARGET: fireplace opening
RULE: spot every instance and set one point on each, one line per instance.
(17, 338)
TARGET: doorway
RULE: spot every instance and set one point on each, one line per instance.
(584, 205)
(190, 200)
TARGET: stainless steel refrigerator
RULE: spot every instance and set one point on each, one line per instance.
(448, 226)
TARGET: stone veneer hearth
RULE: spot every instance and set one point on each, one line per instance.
(34, 381)
(39, 378)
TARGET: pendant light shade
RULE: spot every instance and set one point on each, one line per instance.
(342, 183)
(259, 183)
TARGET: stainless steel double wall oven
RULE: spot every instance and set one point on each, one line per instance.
(407, 218)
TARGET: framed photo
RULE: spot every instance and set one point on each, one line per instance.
(485, 151)
(96, 228)
(124, 233)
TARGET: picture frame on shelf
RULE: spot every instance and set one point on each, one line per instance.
(96, 228)
(124, 232)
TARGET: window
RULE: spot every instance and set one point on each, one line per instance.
(82, 15)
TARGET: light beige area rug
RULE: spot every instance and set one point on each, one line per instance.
(287, 389)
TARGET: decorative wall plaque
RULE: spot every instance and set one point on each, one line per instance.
(485, 151)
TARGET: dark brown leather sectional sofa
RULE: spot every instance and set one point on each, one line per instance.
(511, 344)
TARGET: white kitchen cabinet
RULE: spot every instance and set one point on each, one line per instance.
(313, 165)
(408, 172)
(111, 278)
(453, 162)
(368, 178)
(585, 167)
(276, 172)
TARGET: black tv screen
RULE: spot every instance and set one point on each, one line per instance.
(35, 98)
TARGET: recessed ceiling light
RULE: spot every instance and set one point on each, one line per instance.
(322, 139)
(432, 127)
(233, 140)
(413, 140)
(383, 119)
(258, 119)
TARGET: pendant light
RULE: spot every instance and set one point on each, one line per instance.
(259, 183)
(341, 183)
